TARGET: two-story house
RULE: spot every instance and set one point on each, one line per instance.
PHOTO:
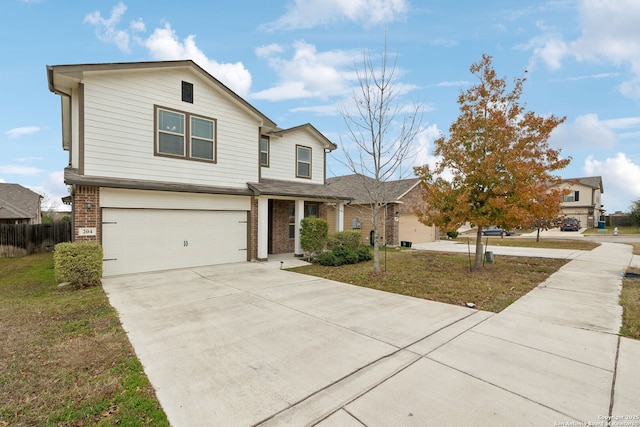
(170, 168)
(583, 200)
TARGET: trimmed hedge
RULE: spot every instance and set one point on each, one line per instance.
(344, 254)
(78, 263)
(313, 235)
(350, 239)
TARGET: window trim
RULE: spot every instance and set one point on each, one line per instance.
(298, 161)
(187, 137)
(266, 138)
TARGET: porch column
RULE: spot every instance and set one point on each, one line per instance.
(299, 215)
(263, 228)
(340, 216)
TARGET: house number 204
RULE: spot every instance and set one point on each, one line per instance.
(186, 243)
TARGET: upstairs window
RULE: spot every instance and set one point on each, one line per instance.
(264, 151)
(171, 132)
(180, 134)
(201, 138)
(303, 161)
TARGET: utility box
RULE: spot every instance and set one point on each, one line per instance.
(488, 257)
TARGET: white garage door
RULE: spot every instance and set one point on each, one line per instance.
(139, 240)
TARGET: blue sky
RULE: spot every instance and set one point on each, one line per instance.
(294, 60)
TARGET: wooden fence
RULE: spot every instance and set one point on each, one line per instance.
(26, 239)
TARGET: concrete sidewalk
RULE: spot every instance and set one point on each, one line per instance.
(458, 247)
(250, 344)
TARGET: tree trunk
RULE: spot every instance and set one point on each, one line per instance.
(479, 254)
(538, 235)
(376, 249)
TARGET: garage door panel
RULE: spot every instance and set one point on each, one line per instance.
(138, 240)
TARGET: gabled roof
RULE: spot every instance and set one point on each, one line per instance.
(18, 202)
(309, 128)
(274, 187)
(361, 187)
(588, 181)
(63, 77)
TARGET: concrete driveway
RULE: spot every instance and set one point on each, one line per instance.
(249, 344)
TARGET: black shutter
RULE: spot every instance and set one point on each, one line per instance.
(187, 92)
(577, 196)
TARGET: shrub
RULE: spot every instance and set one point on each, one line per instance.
(452, 234)
(79, 263)
(313, 235)
(345, 255)
(327, 258)
(364, 253)
(350, 239)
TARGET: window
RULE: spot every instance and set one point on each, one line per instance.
(201, 138)
(184, 135)
(303, 161)
(575, 197)
(171, 133)
(292, 220)
(187, 92)
(264, 151)
(311, 210)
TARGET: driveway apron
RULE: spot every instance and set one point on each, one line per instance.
(250, 344)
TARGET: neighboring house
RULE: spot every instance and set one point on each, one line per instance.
(169, 168)
(19, 205)
(583, 200)
(397, 219)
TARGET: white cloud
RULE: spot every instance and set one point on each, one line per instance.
(22, 131)
(454, 83)
(308, 73)
(586, 131)
(313, 13)
(610, 34)
(164, 44)
(106, 28)
(620, 177)
(19, 170)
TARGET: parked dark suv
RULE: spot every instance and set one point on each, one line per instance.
(570, 224)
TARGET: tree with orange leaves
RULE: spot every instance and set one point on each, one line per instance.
(498, 160)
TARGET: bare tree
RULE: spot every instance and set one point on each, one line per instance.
(382, 130)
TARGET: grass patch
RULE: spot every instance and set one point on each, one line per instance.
(445, 277)
(523, 242)
(65, 359)
(609, 230)
(630, 301)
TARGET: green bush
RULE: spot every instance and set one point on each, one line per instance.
(350, 239)
(452, 234)
(345, 255)
(313, 235)
(364, 253)
(327, 258)
(79, 263)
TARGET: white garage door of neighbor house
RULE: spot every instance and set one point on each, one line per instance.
(140, 240)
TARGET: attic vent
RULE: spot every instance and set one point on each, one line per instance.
(187, 92)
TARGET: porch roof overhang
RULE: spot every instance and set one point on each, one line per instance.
(71, 176)
(273, 187)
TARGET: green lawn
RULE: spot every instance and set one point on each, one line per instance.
(65, 359)
(580, 244)
(445, 277)
(609, 230)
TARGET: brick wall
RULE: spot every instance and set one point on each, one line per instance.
(253, 231)
(84, 217)
(280, 241)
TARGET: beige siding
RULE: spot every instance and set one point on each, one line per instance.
(124, 198)
(282, 162)
(123, 104)
(414, 231)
